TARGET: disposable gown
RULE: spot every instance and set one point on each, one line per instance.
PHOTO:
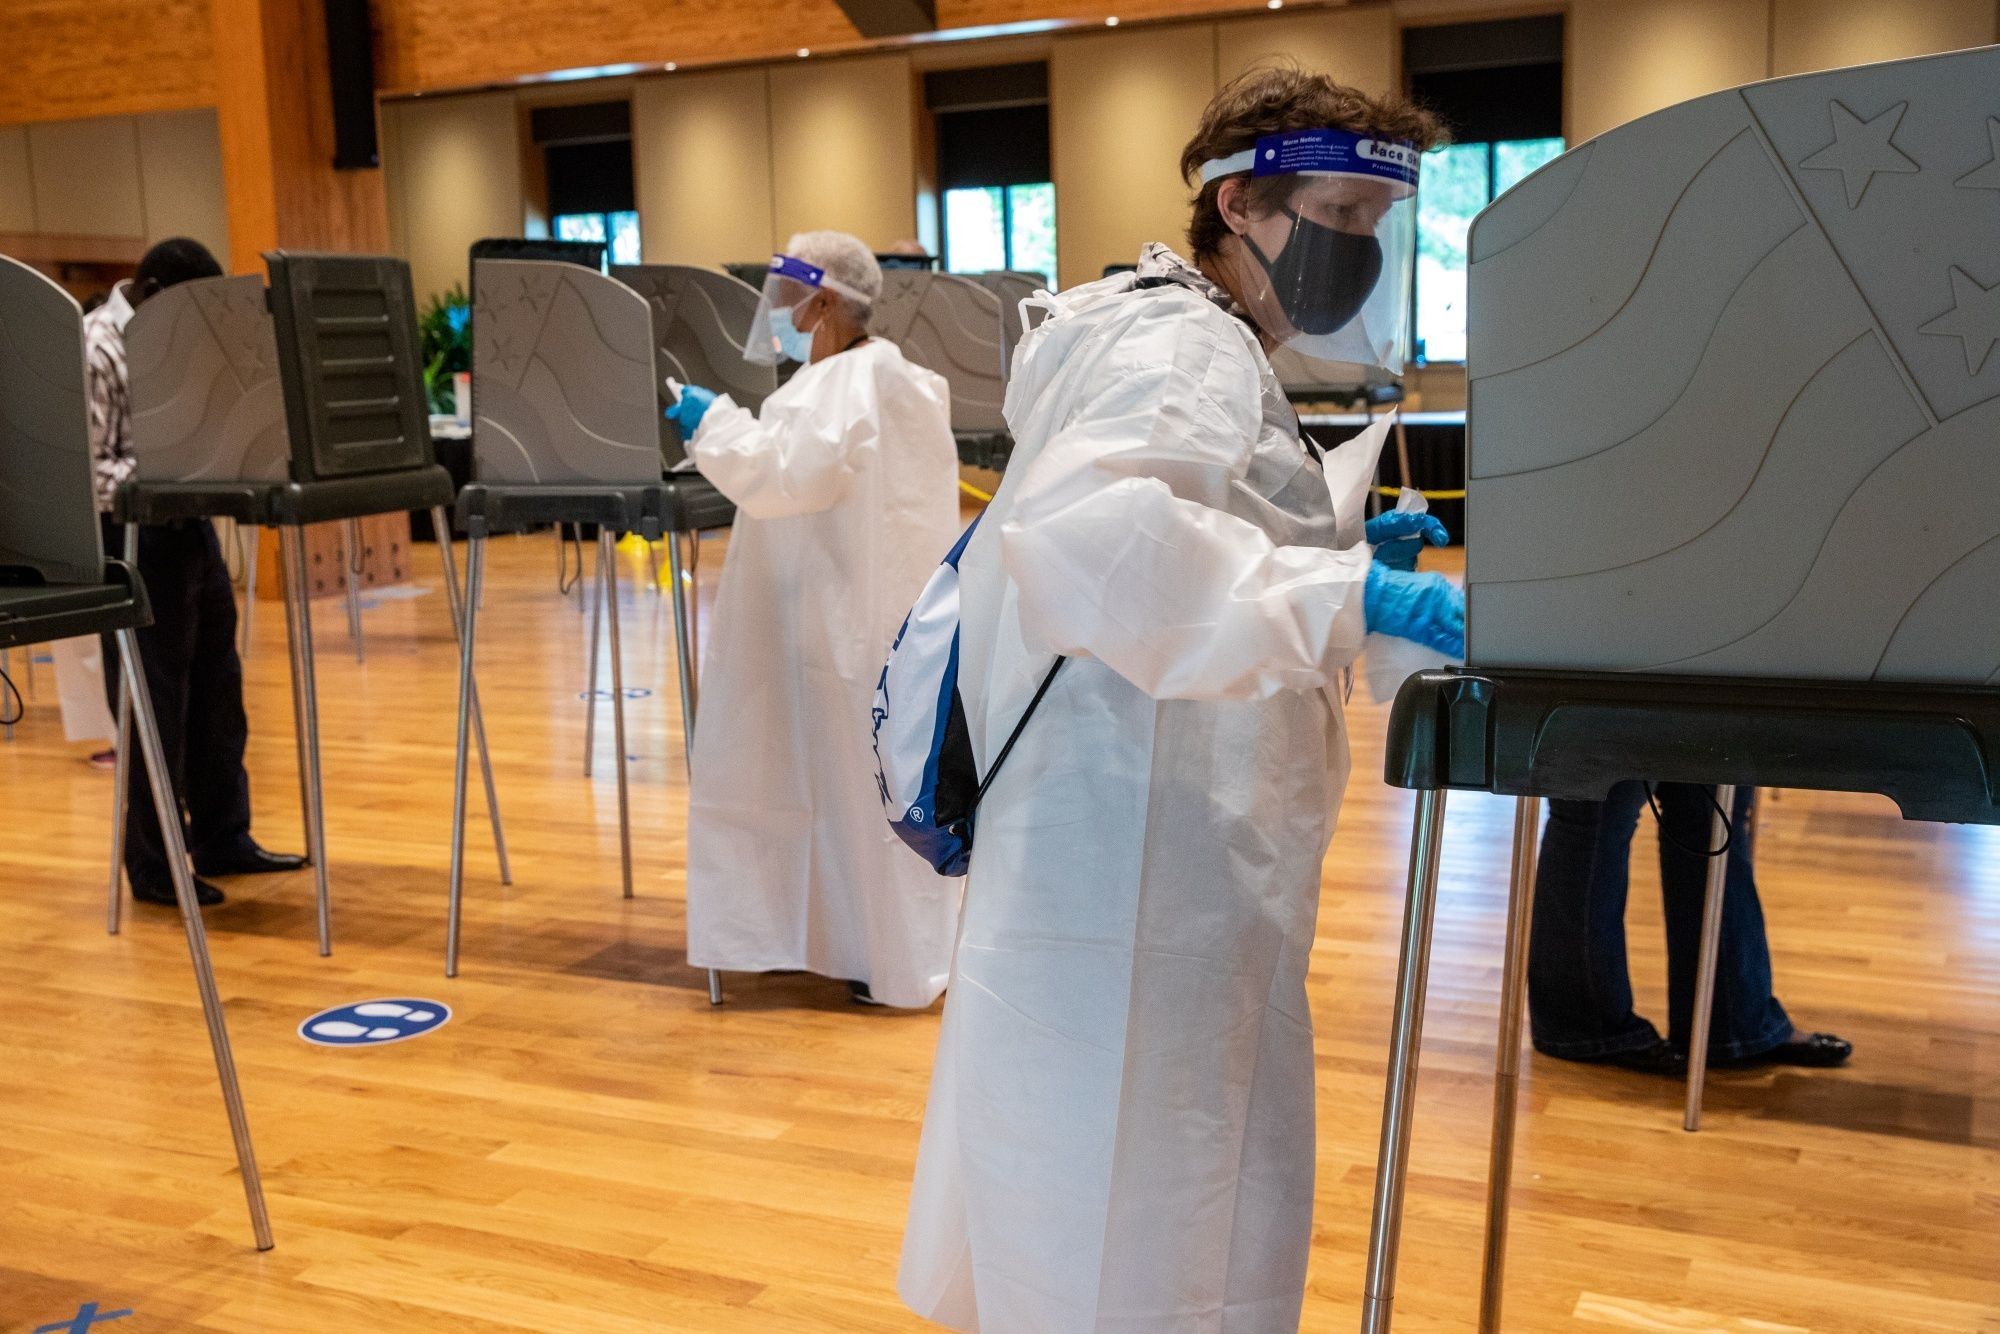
(846, 488)
(1120, 1129)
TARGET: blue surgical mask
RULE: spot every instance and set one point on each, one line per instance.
(793, 341)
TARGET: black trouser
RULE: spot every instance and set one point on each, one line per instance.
(196, 681)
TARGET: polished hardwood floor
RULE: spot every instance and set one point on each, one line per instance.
(588, 1146)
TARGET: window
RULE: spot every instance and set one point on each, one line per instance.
(993, 168)
(1497, 85)
(989, 227)
(619, 231)
(1459, 181)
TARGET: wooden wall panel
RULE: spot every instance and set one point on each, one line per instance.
(454, 174)
(17, 182)
(1823, 34)
(87, 177)
(1357, 46)
(180, 178)
(67, 59)
(843, 149)
(1628, 58)
(709, 133)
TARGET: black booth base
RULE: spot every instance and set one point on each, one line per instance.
(1930, 749)
(286, 502)
(682, 503)
(44, 613)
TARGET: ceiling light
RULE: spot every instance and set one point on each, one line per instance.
(1111, 22)
(804, 51)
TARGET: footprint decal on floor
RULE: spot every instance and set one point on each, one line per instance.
(375, 1023)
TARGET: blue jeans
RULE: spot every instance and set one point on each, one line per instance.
(1579, 990)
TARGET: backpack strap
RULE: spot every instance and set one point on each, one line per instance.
(1014, 736)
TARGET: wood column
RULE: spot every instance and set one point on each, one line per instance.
(274, 111)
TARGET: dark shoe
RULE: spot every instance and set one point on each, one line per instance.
(1819, 1051)
(251, 860)
(859, 993)
(1660, 1058)
(205, 894)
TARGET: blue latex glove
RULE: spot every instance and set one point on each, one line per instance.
(690, 408)
(1427, 608)
(1398, 535)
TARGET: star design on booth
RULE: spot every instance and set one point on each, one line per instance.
(1974, 319)
(1988, 176)
(1860, 149)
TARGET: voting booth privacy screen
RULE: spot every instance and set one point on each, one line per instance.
(1734, 399)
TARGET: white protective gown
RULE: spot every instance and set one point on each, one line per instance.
(847, 492)
(1120, 1130)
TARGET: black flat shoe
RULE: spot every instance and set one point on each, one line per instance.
(252, 860)
(1661, 1058)
(859, 993)
(205, 894)
(1819, 1051)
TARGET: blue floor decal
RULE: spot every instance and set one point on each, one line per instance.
(375, 1023)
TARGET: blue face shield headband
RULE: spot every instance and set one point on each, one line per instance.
(789, 283)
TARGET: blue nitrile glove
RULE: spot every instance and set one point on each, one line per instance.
(1398, 535)
(690, 408)
(1426, 608)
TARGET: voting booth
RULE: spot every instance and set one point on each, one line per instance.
(952, 326)
(1733, 449)
(281, 406)
(568, 391)
(56, 584)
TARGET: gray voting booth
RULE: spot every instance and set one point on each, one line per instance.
(952, 326)
(311, 415)
(569, 368)
(1734, 444)
(55, 584)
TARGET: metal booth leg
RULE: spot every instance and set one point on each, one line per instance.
(121, 772)
(1711, 948)
(684, 613)
(168, 808)
(1419, 913)
(590, 678)
(353, 581)
(305, 699)
(1507, 1063)
(607, 592)
(249, 587)
(475, 569)
(441, 530)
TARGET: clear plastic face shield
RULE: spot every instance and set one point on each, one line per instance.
(1329, 219)
(775, 334)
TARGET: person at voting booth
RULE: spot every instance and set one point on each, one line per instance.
(1579, 989)
(846, 485)
(192, 670)
(1120, 1128)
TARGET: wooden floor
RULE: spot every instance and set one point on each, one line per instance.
(587, 1146)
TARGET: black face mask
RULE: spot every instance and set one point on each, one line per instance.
(1322, 276)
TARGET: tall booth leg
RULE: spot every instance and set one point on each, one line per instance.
(441, 529)
(122, 774)
(1419, 913)
(607, 592)
(683, 648)
(305, 700)
(1711, 948)
(249, 589)
(1507, 1062)
(168, 809)
(590, 677)
(475, 568)
(353, 582)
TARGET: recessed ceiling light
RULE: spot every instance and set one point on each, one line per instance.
(1274, 4)
(804, 51)
(671, 67)
(1111, 22)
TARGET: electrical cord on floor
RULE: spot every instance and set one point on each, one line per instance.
(1728, 826)
(14, 713)
(567, 537)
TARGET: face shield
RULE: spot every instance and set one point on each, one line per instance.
(1330, 218)
(774, 333)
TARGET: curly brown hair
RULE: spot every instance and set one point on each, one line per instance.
(1272, 99)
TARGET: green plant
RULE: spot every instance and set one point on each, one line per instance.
(446, 331)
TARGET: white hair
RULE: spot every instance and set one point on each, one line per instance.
(847, 261)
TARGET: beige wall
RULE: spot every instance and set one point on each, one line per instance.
(1822, 34)
(1630, 57)
(701, 145)
(843, 148)
(146, 176)
(1122, 103)
(1359, 47)
(453, 168)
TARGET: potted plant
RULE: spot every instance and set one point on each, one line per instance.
(446, 330)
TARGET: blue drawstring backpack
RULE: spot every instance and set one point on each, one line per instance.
(923, 751)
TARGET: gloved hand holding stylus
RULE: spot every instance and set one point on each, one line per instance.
(690, 408)
(1426, 608)
(1398, 535)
